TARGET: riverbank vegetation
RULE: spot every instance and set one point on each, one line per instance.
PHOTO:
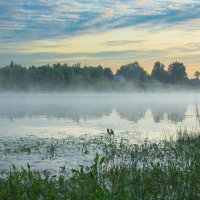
(64, 77)
(166, 169)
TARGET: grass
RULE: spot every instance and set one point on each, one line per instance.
(120, 170)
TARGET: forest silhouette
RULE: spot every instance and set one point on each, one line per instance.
(64, 77)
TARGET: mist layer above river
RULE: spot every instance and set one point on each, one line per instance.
(53, 114)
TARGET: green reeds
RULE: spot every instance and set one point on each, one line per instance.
(120, 170)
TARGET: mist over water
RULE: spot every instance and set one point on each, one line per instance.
(139, 115)
(39, 120)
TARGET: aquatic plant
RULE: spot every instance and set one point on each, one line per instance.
(162, 170)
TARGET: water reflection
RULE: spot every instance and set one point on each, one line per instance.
(175, 111)
(131, 107)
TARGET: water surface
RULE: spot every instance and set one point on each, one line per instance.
(28, 118)
(61, 115)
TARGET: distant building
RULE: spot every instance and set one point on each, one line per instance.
(121, 79)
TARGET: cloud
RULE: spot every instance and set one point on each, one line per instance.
(123, 42)
(113, 59)
(37, 19)
(105, 31)
(103, 55)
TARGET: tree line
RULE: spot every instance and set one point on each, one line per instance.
(63, 76)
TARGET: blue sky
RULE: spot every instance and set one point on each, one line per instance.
(106, 32)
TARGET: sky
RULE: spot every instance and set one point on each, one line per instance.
(105, 32)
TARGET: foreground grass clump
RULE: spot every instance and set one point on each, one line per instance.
(162, 170)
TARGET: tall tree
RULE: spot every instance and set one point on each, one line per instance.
(108, 73)
(133, 72)
(177, 72)
(158, 72)
(197, 74)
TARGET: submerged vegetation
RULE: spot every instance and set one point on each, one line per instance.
(166, 169)
(64, 77)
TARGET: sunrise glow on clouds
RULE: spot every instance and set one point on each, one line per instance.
(106, 32)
